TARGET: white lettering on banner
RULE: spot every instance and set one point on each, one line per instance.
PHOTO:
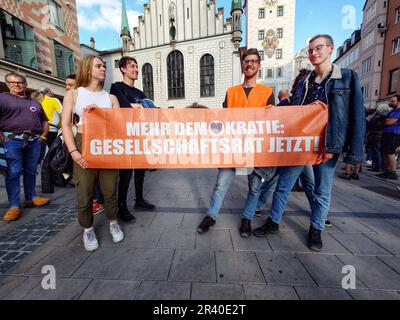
(293, 144)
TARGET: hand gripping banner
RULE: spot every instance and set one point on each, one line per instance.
(204, 138)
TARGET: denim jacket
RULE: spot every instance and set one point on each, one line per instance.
(346, 124)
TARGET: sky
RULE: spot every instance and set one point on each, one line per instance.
(339, 18)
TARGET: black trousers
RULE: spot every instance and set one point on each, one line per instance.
(125, 176)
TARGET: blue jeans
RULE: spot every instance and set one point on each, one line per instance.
(320, 198)
(22, 158)
(267, 190)
(224, 180)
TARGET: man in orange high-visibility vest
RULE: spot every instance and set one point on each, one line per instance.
(247, 95)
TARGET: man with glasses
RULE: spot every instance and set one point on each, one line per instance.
(341, 90)
(23, 127)
(247, 95)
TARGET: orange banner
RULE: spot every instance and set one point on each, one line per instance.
(204, 138)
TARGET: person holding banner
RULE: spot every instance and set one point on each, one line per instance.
(88, 95)
(247, 95)
(341, 90)
(129, 97)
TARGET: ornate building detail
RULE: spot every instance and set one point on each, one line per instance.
(270, 43)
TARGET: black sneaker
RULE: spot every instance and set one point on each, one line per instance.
(205, 225)
(125, 215)
(314, 239)
(328, 223)
(245, 228)
(382, 175)
(269, 227)
(355, 176)
(258, 213)
(142, 204)
(391, 176)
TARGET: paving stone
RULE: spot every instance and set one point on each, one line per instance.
(228, 221)
(142, 237)
(110, 290)
(218, 239)
(359, 244)
(164, 290)
(31, 260)
(66, 235)
(373, 272)
(283, 269)
(147, 264)
(167, 219)
(374, 295)
(191, 220)
(311, 293)
(65, 260)
(143, 219)
(268, 292)
(393, 262)
(177, 238)
(66, 289)
(239, 267)
(193, 265)
(105, 263)
(249, 244)
(8, 284)
(19, 292)
(350, 225)
(389, 241)
(217, 291)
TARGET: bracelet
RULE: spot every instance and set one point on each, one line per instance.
(73, 151)
(43, 138)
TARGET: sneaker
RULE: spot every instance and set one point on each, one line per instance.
(245, 228)
(388, 175)
(143, 204)
(328, 223)
(258, 213)
(116, 232)
(205, 225)
(125, 215)
(97, 207)
(345, 175)
(12, 214)
(314, 239)
(269, 227)
(36, 202)
(89, 240)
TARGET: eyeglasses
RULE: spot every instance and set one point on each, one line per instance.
(317, 48)
(16, 83)
(250, 61)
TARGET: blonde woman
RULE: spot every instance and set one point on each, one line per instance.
(87, 95)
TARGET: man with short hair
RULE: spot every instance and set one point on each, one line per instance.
(341, 90)
(247, 95)
(70, 82)
(391, 139)
(23, 126)
(129, 97)
(53, 109)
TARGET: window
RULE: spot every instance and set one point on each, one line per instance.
(279, 72)
(116, 64)
(270, 73)
(261, 34)
(397, 17)
(261, 13)
(261, 53)
(370, 13)
(56, 14)
(259, 74)
(393, 81)
(279, 53)
(18, 41)
(147, 75)
(365, 91)
(396, 46)
(368, 40)
(279, 33)
(366, 66)
(65, 63)
(280, 11)
(207, 83)
(176, 75)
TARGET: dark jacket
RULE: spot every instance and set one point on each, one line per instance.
(346, 124)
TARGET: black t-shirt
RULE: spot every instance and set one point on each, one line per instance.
(126, 94)
(316, 91)
(271, 100)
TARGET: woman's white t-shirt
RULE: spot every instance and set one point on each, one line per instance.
(86, 98)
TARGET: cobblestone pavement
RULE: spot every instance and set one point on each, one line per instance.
(162, 256)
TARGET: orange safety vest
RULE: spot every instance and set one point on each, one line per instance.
(258, 97)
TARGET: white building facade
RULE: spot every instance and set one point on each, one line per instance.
(270, 29)
(187, 53)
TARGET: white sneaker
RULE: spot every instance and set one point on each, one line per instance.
(116, 232)
(89, 240)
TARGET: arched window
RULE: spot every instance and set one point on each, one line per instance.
(176, 75)
(147, 75)
(207, 86)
